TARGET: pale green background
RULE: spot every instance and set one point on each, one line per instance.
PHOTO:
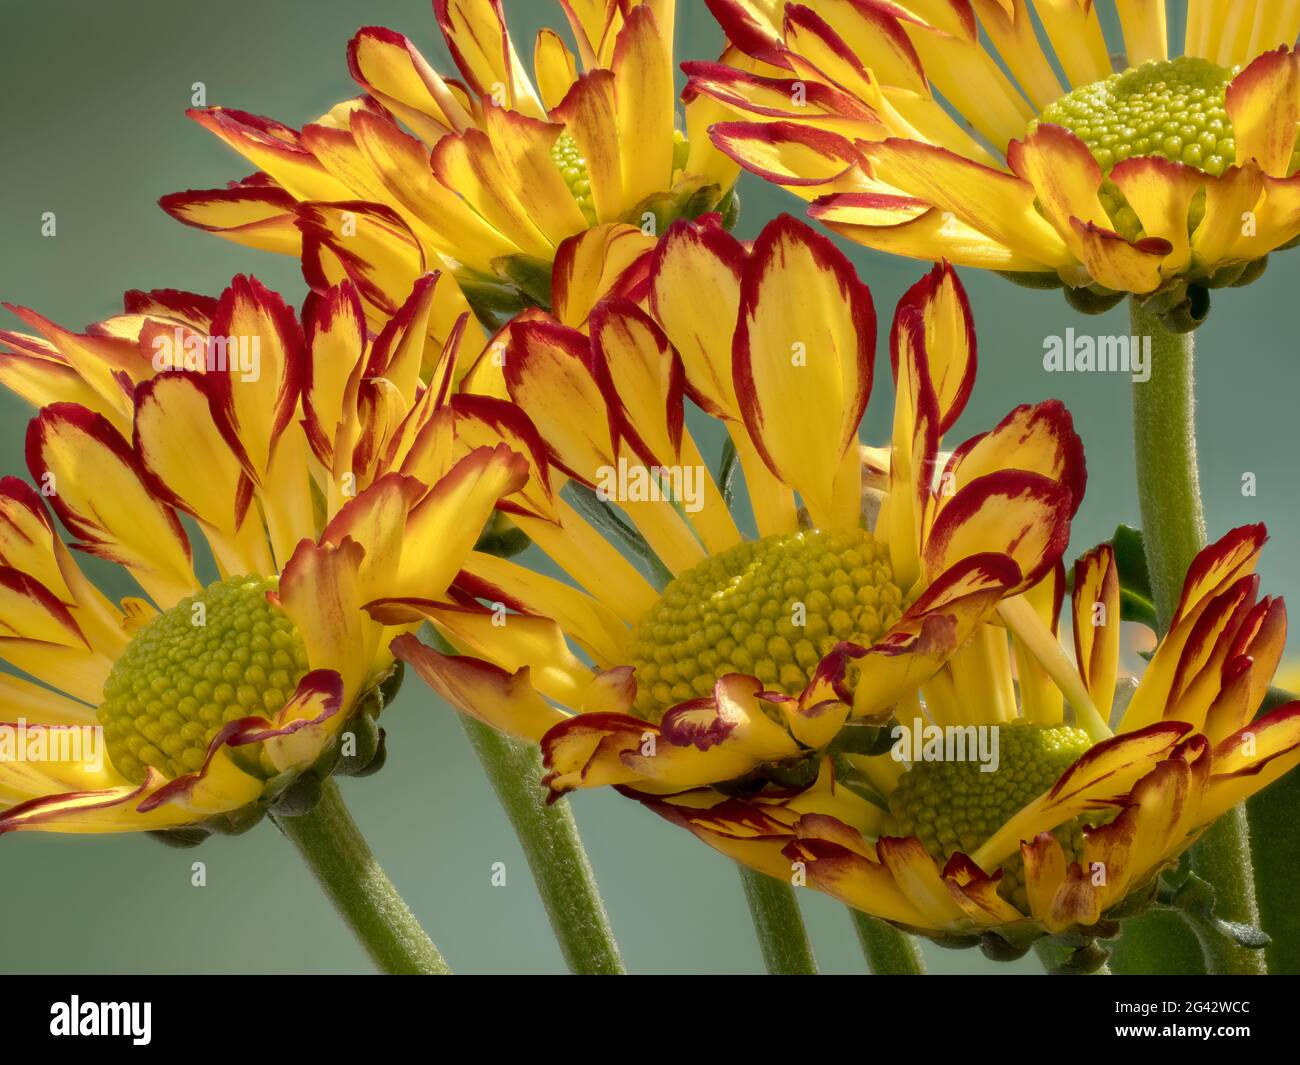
(91, 127)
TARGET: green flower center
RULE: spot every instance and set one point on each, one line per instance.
(215, 657)
(1173, 109)
(954, 806)
(769, 608)
(573, 168)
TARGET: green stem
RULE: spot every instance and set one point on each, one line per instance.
(1277, 856)
(889, 952)
(554, 851)
(1173, 530)
(779, 925)
(1222, 858)
(1164, 441)
(332, 845)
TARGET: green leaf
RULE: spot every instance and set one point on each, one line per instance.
(1135, 599)
(1275, 846)
(1244, 935)
(602, 515)
(727, 468)
(1194, 898)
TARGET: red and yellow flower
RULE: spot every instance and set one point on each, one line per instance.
(480, 180)
(320, 477)
(747, 662)
(1176, 169)
(1066, 830)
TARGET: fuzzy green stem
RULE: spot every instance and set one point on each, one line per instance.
(888, 951)
(338, 855)
(1222, 858)
(553, 848)
(1164, 441)
(778, 924)
(1173, 530)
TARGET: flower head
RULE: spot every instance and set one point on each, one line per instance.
(316, 473)
(730, 664)
(1163, 175)
(1066, 832)
(481, 180)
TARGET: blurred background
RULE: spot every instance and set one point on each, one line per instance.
(93, 129)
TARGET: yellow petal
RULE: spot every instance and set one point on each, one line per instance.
(1096, 615)
(507, 702)
(101, 495)
(804, 341)
(257, 216)
(1263, 104)
(990, 201)
(644, 100)
(554, 67)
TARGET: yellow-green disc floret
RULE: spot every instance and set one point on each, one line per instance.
(573, 168)
(769, 608)
(215, 657)
(1173, 109)
(954, 806)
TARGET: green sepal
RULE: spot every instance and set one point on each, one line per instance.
(1080, 961)
(1253, 272)
(501, 537)
(994, 947)
(1045, 280)
(363, 728)
(796, 773)
(391, 682)
(493, 301)
(300, 797)
(181, 838)
(691, 197)
(849, 776)
(378, 760)
(1224, 276)
(529, 275)
(1091, 299)
(729, 208)
(859, 737)
(293, 794)
(1190, 314)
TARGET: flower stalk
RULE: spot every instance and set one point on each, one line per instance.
(778, 924)
(1173, 529)
(888, 951)
(553, 849)
(342, 862)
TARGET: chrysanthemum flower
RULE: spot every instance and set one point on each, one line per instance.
(756, 657)
(1139, 175)
(217, 419)
(481, 180)
(1067, 832)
